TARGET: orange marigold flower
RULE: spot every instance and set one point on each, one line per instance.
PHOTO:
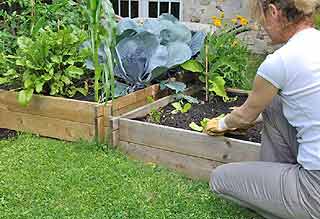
(217, 22)
(239, 17)
(244, 22)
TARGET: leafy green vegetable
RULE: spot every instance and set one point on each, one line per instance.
(180, 107)
(178, 88)
(155, 116)
(50, 63)
(195, 127)
(147, 52)
(198, 128)
(193, 66)
(27, 18)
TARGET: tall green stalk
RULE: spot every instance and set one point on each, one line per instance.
(102, 28)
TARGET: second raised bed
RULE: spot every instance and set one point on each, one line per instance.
(192, 153)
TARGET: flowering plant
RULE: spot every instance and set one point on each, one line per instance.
(223, 59)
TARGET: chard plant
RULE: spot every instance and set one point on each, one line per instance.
(50, 63)
(102, 28)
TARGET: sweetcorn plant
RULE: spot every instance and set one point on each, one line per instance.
(102, 28)
(50, 63)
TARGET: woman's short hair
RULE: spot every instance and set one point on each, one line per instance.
(294, 10)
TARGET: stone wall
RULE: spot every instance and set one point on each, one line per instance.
(201, 11)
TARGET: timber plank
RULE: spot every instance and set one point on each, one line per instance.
(131, 107)
(134, 97)
(187, 142)
(54, 107)
(193, 167)
(45, 126)
(145, 110)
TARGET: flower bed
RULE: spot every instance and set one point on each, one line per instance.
(192, 153)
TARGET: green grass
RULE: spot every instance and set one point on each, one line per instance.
(45, 178)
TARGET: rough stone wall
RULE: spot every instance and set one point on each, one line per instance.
(201, 11)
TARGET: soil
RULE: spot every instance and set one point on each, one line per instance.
(213, 108)
(6, 133)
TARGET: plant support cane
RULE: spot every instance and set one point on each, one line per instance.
(207, 65)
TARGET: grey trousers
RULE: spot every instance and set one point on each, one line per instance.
(276, 187)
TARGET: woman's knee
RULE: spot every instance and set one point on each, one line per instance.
(218, 179)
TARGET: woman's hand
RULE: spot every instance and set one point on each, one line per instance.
(217, 126)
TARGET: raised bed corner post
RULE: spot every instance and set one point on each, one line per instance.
(99, 124)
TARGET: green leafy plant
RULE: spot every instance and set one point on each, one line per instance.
(222, 62)
(155, 116)
(146, 52)
(27, 17)
(179, 88)
(8, 74)
(150, 99)
(317, 21)
(50, 63)
(203, 124)
(180, 107)
(102, 27)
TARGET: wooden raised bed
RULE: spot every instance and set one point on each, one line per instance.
(68, 119)
(194, 154)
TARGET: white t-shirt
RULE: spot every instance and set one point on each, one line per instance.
(295, 70)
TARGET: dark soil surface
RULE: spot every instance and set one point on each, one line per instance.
(215, 107)
(6, 133)
(77, 96)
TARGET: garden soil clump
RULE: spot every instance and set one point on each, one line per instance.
(215, 107)
(6, 133)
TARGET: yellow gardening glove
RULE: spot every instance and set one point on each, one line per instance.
(216, 127)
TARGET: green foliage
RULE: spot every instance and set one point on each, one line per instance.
(8, 73)
(45, 178)
(27, 17)
(196, 127)
(227, 63)
(150, 99)
(180, 107)
(155, 116)
(102, 27)
(50, 63)
(317, 21)
(146, 52)
(179, 88)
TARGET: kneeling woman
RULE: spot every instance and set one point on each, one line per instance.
(285, 184)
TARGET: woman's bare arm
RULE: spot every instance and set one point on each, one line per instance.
(261, 96)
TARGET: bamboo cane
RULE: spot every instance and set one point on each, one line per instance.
(207, 69)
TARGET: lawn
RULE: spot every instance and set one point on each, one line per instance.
(45, 178)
